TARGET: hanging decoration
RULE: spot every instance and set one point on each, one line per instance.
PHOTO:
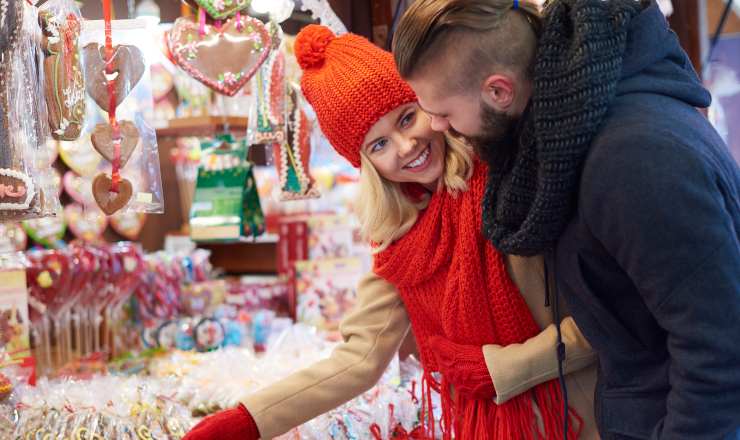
(87, 224)
(220, 9)
(124, 63)
(24, 161)
(46, 231)
(293, 156)
(267, 115)
(64, 81)
(122, 68)
(128, 224)
(222, 57)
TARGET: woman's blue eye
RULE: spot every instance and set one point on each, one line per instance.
(406, 120)
(379, 145)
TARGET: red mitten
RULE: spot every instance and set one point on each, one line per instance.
(464, 367)
(231, 424)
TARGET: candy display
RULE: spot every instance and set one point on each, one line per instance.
(105, 407)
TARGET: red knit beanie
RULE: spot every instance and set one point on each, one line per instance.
(350, 82)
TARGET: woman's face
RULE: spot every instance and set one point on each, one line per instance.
(403, 147)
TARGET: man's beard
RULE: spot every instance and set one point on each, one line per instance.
(496, 142)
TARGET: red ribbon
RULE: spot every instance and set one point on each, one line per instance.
(116, 135)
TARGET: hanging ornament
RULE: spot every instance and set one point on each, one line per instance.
(128, 224)
(222, 57)
(64, 81)
(293, 157)
(87, 224)
(220, 9)
(267, 116)
(122, 68)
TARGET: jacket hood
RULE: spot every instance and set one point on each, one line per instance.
(654, 62)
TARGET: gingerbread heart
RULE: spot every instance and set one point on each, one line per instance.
(46, 231)
(80, 156)
(128, 68)
(102, 141)
(128, 224)
(220, 9)
(222, 58)
(108, 201)
(87, 224)
(79, 188)
(64, 82)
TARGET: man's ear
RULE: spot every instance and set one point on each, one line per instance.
(497, 91)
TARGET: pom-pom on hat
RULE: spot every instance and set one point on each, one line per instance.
(350, 82)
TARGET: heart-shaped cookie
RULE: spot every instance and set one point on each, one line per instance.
(128, 224)
(87, 224)
(222, 58)
(128, 68)
(108, 201)
(102, 140)
(46, 231)
(220, 9)
(80, 156)
(79, 188)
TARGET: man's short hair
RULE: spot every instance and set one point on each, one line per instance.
(476, 36)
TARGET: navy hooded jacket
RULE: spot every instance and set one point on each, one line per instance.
(650, 263)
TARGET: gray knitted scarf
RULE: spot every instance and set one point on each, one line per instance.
(531, 195)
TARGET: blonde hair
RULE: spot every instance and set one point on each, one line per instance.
(386, 213)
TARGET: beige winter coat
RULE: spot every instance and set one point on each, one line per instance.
(378, 325)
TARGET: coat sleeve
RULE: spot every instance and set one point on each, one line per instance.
(665, 214)
(516, 368)
(372, 333)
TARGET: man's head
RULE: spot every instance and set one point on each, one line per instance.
(470, 63)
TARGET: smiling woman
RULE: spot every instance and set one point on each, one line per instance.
(433, 271)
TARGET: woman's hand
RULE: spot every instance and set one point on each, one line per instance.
(231, 424)
(464, 367)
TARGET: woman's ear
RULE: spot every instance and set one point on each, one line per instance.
(498, 92)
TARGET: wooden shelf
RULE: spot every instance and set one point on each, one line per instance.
(203, 126)
(244, 257)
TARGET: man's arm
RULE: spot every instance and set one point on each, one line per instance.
(662, 212)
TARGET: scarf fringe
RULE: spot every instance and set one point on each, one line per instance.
(476, 419)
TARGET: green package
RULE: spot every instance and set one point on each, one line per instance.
(226, 205)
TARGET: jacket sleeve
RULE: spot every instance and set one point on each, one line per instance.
(372, 334)
(516, 368)
(666, 216)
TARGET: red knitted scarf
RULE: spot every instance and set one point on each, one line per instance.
(454, 284)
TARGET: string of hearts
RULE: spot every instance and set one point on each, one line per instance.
(112, 73)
